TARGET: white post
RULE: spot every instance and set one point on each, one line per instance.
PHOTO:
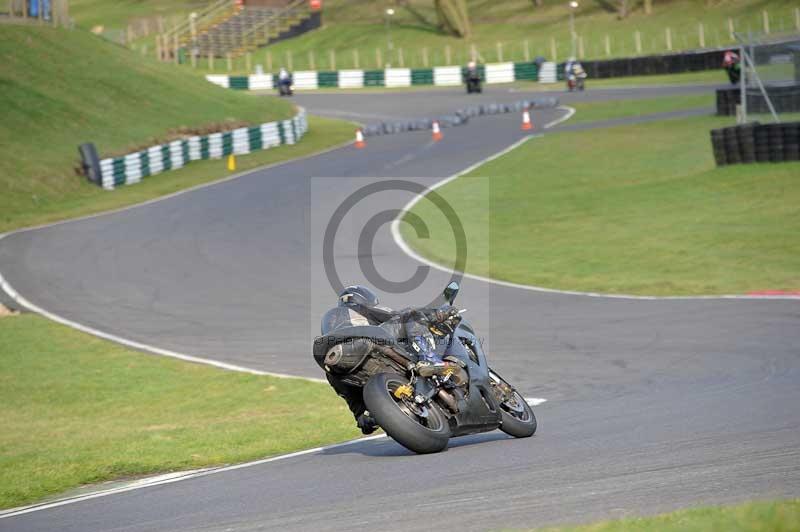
(668, 33)
(527, 51)
(731, 30)
(554, 49)
(701, 35)
(797, 18)
(608, 45)
(355, 58)
(447, 56)
(400, 60)
(581, 51)
(765, 15)
(637, 37)
(499, 52)
(332, 59)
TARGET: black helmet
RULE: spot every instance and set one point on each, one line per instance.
(358, 295)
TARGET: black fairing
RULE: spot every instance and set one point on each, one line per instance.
(483, 410)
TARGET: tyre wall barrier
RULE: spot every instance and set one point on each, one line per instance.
(756, 143)
(457, 118)
(649, 65)
(131, 168)
(390, 77)
(785, 99)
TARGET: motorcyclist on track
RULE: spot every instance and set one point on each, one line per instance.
(574, 74)
(358, 305)
(285, 82)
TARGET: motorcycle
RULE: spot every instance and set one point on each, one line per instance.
(422, 406)
(285, 87)
(575, 82)
(473, 83)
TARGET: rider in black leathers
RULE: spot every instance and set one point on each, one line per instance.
(411, 327)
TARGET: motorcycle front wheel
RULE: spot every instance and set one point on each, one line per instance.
(420, 428)
(518, 418)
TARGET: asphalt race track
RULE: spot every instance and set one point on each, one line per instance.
(652, 404)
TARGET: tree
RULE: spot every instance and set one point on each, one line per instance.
(453, 17)
(623, 8)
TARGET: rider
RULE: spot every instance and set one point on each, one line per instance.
(730, 62)
(411, 327)
(284, 78)
(573, 71)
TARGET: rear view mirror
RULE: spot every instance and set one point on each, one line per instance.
(451, 291)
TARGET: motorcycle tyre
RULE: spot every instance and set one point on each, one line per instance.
(400, 427)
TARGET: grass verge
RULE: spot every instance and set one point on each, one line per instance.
(772, 516)
(79, 410)
(638, 209)
(87, 199)
(608, 110)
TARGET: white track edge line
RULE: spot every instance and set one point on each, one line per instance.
(570, 111)
(8, 289)
(170, 478)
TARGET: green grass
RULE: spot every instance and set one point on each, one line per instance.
(596, 111)
(115, 16)
(361, 26)
(632, 209)
(121, 102)
(79, 410)
(762, 516)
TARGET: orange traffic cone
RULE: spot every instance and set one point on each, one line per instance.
(527, 125)
(360, 139)
(437, 132)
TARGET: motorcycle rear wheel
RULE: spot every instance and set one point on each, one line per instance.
(518, 417)
(402, 419)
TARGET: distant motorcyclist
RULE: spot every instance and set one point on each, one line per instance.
(574, 74)
(416, 330)
(472, 77)
(732, 65)
(284, 82)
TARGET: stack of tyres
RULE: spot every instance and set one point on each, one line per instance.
(717, 142)
(761, 136)
(746, 136)
(775, 143)
(731, 143)
(791, 141)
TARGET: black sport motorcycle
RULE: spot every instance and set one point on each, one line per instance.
(421, 406)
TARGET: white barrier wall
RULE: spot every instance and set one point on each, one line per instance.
(499, 72)
(449, 75)
(351, 79)
(305, 80)
(222, 81)
(260, 82)
(397, 77)
(548, 73)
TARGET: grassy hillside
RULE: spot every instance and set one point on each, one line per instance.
(59, 88)
(361, 25)
(116, 15)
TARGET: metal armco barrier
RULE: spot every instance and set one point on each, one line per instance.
(756, 143)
